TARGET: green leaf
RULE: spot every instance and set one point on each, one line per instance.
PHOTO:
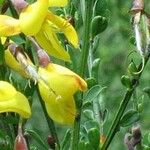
(130, 117)
(99, 24)
(94, 137)
(88, 114)
(66, 140)
(90, 124)
(37, 138)
(17, 39)
(86, 105)
(93, 92)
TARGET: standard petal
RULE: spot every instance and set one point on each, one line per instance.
(58, 3)
(9, 26)
(32, 17)
(82, 85)
(65, 27)
(7, 91)
(48, 41)
(62, 85)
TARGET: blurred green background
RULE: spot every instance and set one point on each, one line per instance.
(113, 50)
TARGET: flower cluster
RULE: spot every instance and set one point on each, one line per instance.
(57, 84)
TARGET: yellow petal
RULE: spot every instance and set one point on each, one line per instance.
(9, 26)
(82, 85)
(58, 93)
(32, 17)
(65, 27)
(61, 111)
(48, 41)
(7, 91)
(18, 103)
(58, 3)
(13, 64)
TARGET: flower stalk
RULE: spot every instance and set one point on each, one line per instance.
(50, 122)
(83, 68)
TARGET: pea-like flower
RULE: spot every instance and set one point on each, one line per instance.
(13, 101)
(36, 20)
(58, 95)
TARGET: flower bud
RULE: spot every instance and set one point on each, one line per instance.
(20, 143)
(51, 142)
(137, 5)
(19, 4)
(125, 80)
(136, 133)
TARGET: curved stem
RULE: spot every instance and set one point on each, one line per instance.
(123, 105)
(49, 121)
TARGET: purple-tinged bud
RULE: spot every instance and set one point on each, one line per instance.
(19, 4)
(12, 48)
(136, 133)
(51, 142)
(137, 6)
(20, 143)
(128, 142)
(44, 59)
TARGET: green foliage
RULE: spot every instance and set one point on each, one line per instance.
(130, 117)
(111, 41)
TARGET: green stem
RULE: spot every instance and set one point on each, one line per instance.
(123, 105)
(84, 58)
(86, 36)
(49, 121)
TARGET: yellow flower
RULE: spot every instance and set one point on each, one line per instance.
(58, 3)
(35, 20)
(12, 63)
(13, 101)
(58, 95)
